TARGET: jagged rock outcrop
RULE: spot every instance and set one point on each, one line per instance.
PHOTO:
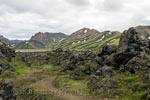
(131, 56)
(7, 52)
(7, 90)
(108, 50)
(5, 56)
(129, 46)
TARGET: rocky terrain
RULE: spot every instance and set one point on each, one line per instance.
(113, 72)
(7, 89)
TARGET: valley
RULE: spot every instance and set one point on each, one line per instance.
(102, 66)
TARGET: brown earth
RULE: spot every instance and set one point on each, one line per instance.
(43, 82)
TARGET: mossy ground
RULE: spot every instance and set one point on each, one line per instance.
(20, 69)
(76, 86)
(129, 87)
(27, 85)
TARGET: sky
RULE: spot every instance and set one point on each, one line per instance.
(20, 19)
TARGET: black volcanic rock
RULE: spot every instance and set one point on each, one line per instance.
(129, 46)
(108, 50)
(7, 90)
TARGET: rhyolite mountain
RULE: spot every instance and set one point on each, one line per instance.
(89, 39)
(84, 33)
(42, 40)
(84, 38)
(47, 38)
(144, 31)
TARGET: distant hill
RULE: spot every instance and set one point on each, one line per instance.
(42, 40)
(84, 33)
(84, 38)
(32, 44)
(89, 39)
(49, 39)
(143, 31)
(5, 40)
(10, 43)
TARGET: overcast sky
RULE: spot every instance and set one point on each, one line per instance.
(20, 19)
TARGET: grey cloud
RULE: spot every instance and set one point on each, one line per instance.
(22, 18)
(79, 2)
(110, 5)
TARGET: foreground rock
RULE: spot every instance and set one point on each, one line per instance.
(7, 90)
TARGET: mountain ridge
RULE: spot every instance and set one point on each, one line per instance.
(84, 38)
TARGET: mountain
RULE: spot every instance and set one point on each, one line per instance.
(31, 44)
(16, 41)
(3, 38)
(48, 39)
(144, 31)
(84, 33)
(89, 39)
(42, 40)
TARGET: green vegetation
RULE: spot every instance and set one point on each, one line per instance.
(126, 86)
(115, 42)
(142, 37)
(65, 83)
(20, 69)
(30, 45)
(29, 88)
(90, 43)
(132, 77)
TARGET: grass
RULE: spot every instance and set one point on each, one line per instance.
(28, 86)
(20, 67)
(142, 37)
(65, 83)
(89, 44)
(115, 42)
(132, 77)
(53, 69)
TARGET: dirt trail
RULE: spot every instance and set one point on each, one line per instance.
(46, 85)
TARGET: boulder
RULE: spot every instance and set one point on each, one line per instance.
(77, 74)
(58, 50)
(7, 90)
(108, 50)
(104, 86)
(129, 46)
(105, 71)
